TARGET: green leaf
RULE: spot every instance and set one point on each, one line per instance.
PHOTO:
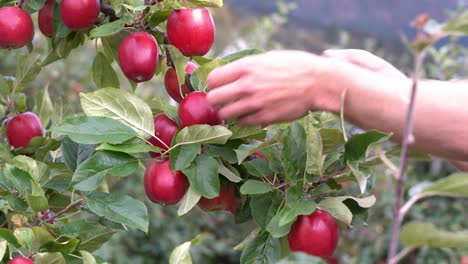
(36, 169)
(202, 134)
(357, 146)
(294, 153)
(111, 44)
(189, 201)
(315, 157)
(121, 209)
(107, 29)
(225, 152)
(60, 30)
(258, 167)
(129, 148)
(41, 235)
(208, 3)
(295, 206)
(37, 199)
(99, 165)
(103, 74)
(25, 237)
(276, 230)
(455, 185)
(332, 139)
(43, 106)
(95, 130)
(203, 176)
(245, 150)
(73, 154)
(3, 248)
(5, 154)
(301, 258)
(336, 206)
(180, 62)
(19, 101)
(92, 236)
(264, 208)
(49, 258)
(36, 5)
(457, 25)
(63, 247)
(20, 179)
(419, 234)
(240, 132)
(88, 258)
(9, 237)
(181, 254)
(229, 172)
(361, 178)
(242, 54)
(199, 76)
(181, 157)
(122, 106)
(255, 187)
(27, 70)
(261, 250)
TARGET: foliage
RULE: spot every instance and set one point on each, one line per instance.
(58, 199)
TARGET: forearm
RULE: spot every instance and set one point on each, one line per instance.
(461, 165)
(441, 113)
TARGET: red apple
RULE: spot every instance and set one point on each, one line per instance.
(316, 234)
(165, 129)
(195, 110)
(45, 18)
(163, 186)
(16, 28)
(138, 56)
(172, 84)
(331, 260)
(464, 260)
(191, 30)
(22, 128)
(20, 261)
(225, 201)
(79, 14)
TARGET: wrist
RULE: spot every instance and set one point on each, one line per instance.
(330, 84)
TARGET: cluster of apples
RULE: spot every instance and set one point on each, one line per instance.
(191, 30)
(17, 29)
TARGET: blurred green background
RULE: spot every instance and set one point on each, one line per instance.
(307, 25)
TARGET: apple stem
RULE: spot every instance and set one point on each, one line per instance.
(186, 4)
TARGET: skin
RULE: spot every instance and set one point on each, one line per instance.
(284, 85)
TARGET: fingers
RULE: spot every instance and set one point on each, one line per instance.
(239, 108)
(226, 74)
(227, 93)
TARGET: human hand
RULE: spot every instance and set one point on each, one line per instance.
(365, 60)
(274, 87)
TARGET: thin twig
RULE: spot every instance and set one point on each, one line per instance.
(405, 208)
(405, 252)
(388, 162)
(343, 97)
(64, 210)
(401, 176)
